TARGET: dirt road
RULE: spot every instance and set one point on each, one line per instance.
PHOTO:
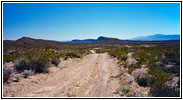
(89, 77)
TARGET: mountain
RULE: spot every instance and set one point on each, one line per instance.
(32, 41)
(102, 38)
(99, 39)
(157, 37)
(85, 41)
(27, 41)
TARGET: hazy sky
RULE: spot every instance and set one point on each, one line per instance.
(67, 21)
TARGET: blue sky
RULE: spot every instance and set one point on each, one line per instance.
(67, 21)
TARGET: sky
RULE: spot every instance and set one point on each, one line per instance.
(67, 21)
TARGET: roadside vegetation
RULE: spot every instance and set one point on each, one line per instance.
(162, 64)
(30, 60)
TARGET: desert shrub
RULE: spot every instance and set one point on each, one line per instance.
(17, 77)
(73, 55)
(40, 65)
(22, 64)
(6, 74)
(144, 81)
(66, 57)
(122, 94)
(164, 91)
(27, 73)
(159, 76)
(121, 62)
(132, 68)
(123, 57)
(9, 58)
(125, 89)
(37, 64)
(55, 61)
(141, 94)
(174, 69)
(129, 94)
(100, 51)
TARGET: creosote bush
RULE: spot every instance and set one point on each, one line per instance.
(55, 61)
(27, 73)
(38, 65)
(22, 64)
(121, 62)
(125, 89)
(6, 74)
(17, 77)
(164, 91)
(144, 81)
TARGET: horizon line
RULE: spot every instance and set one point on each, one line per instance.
(86, 38)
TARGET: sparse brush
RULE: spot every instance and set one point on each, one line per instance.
(17, 78)
(141, 94)
(55, 61)
(66, 57)
(122, 94)
(129, 94)
(144, 81)
(122, 62)
(125, 88)
(40, 65)
(6, 74)
(164, 91)
(22, 64)
(27, 73)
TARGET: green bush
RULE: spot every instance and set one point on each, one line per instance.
(132, 68)
(175, 69)
(9, 58)
(73, 55)
(129, 94)
(6, 74)
(66, 57)
(55, 61)
(40, 65)
(159, 76)
(22, 64)
(144, 81)
(141, 94)
(27, 73)
(100, 51)
(164, 91)
(121, 62)
(125, 89)
(124, 57)
(17, 77)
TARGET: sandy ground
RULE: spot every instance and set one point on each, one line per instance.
(87, 77)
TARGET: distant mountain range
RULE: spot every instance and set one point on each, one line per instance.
(157, 37)
(99, 39)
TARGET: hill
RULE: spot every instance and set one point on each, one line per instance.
(159, 37)
(99, 39)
